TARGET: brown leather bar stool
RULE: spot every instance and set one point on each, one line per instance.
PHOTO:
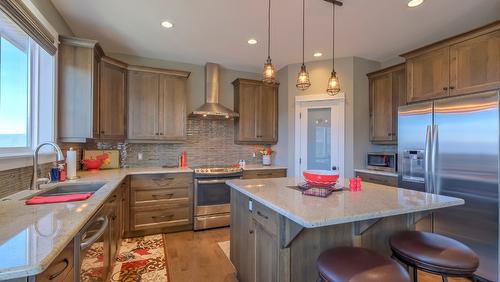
(351, 264)
(434, 253)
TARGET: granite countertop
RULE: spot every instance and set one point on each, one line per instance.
(262, 167)
(374, 201)
(32, 236)
(378, 172)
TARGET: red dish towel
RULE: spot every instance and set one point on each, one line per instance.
(58, 199)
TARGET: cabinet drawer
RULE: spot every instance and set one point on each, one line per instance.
(266, 217)
(142, 197)
(151, 181)
(378, 179)
(264, 173)
(61, 269)
(159, 216)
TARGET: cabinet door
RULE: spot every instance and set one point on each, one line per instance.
(96, 66)
(112, 102)
(265, 258)
(142, 105)
(475, 64)
(61, 269)
(172, 108)
(267, 114)
(381, 104)
(248, 106)
(428, 75)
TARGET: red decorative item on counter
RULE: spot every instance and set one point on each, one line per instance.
(183, 159)
(321, 177)
(96, 164)
(37, 200)
(355, 184)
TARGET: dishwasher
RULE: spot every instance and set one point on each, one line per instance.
(92, 249)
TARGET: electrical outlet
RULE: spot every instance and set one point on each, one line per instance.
(254, 155)
(139, 156)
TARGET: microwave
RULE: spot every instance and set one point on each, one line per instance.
(384, 161)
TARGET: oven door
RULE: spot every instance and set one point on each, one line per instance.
(212, 196)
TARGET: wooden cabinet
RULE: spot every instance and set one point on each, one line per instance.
(61, 269)
(257, 105)
(475, 64)
(463, 64)
(378, 179)
(264, 173)
(157, 105)
(112, 118)
(265, 256)
(386, 88)
(78, 87)
(160, 203)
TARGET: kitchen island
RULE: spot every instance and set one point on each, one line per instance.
(277, 233)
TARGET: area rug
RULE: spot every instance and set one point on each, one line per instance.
(225, 248)
(139, 259)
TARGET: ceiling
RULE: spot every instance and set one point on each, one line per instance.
(218, 30)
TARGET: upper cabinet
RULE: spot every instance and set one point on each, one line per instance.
(257, 105)
(112, 104)
(460, 65)
(78, 89)
(387, 89)
(157, 110)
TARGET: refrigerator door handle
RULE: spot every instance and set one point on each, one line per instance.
(434, 158)
(427, 159)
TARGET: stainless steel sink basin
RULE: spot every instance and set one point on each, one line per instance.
(71, 188)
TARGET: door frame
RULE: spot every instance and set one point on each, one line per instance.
(337, 104)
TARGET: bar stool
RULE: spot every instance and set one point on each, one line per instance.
(434, 253)
(354, 264)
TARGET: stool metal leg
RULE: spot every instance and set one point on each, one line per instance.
(415, 270)
(445, 278)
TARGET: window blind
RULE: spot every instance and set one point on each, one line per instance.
(22, 16)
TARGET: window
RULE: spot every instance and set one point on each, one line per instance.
(26, 91)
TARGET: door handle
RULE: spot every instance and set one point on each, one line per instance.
(105, 221)
(434, 158)
(427, 161)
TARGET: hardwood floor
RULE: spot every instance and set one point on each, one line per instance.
(196, 256)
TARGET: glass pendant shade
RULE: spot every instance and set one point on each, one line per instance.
(333, 85)
(303, 81)
(269, 74)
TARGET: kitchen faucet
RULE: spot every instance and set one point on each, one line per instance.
(35, 185)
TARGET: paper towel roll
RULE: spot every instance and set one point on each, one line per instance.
(71, 163)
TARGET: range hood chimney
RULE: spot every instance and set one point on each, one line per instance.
(212, 109)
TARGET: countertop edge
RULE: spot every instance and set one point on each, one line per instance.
(315, 224)
(376, 172)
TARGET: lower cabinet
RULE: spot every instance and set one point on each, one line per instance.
(378, 179)
(61, 269)
(264, 173)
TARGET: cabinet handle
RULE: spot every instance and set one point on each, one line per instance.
(162, 216)
(163, 179)
(445, 88)
(167, 196)
(250, 231)
(262, 215)
(157, 133)
(102, 132)
(264, 174)
(66, 264)
(161, 133)
(452, 87)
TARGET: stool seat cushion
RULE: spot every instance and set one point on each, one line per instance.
(351, 264)
(434, 252)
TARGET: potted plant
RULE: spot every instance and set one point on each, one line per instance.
(266, 156)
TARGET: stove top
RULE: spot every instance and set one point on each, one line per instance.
(217, 171)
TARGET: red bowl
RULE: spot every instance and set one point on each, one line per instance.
(321, 177)
(92, 164)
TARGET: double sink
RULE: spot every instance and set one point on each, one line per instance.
(68, 189)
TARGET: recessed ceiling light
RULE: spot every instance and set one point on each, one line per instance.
(415, 3)
(318, 54)
(252, 41)
(167, 24)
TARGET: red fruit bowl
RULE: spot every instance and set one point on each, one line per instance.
(92, 164)
(321, 177)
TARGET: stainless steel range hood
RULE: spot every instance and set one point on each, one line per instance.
(212, 109)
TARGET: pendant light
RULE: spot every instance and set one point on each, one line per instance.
(303, 81)
(269, 73)
(333, 82)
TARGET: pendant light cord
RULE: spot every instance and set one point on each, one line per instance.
(303, 28)
(333, 38)
(269, 30)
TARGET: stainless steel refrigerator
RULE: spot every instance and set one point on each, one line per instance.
(451, 147)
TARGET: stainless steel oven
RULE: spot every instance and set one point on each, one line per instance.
(384, 161)
(212, 196)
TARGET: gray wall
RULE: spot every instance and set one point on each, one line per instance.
(196, 81)
(52, 16)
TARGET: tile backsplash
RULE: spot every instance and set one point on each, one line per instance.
(18, 179)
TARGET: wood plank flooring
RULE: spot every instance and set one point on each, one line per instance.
(196, 256)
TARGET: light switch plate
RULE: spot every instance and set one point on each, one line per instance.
(139, 156)
(250, 205)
